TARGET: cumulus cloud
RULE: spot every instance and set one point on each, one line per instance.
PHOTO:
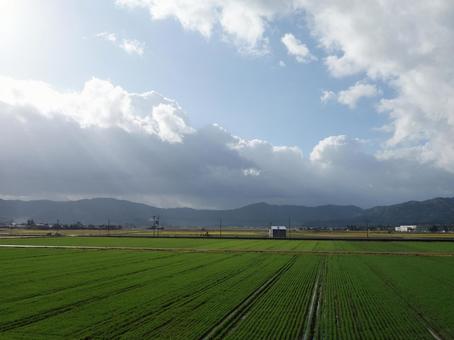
(297, 49)
(106, 141)
(130, 46)
(100, 104)
(243, 23)
(352, 95)
(407, 46)
(355, 92)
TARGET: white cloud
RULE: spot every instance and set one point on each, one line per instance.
(327, 96)
(336, 150)
(355, 92)
(352, 95)
(198, 16)
(297, 49)
(243, 23)
(130, 46)
(406, 45)
(100, 104)
(168, 123)
(282, 63)
(251, 172)
(106, 141)
(107, 36)
(341, 67)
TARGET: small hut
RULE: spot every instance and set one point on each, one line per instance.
(278, 231)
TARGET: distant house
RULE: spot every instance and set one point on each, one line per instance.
(278, 231)
(405, 228)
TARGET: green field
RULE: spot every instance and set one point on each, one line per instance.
(232, 244)
(240, 289)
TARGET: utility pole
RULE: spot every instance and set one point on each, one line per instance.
(108, 226)
(289, 226)
(220, 227)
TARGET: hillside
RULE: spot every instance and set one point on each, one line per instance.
(100, 210)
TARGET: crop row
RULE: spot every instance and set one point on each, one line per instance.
(142, 294)
(134, 294)
(357, 305)
(424, 285)
(281, 312)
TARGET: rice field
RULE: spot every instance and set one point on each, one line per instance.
(172, 289)
(403, 247)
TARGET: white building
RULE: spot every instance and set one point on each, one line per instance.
(278, 231)
(405, 228)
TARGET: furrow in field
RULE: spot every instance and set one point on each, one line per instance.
(281, 312)
(214, 306)
(150, 310)
(62, 309)
(105, 291)
(356, 305)
(310, 329)
(221, 329)
(92, 278)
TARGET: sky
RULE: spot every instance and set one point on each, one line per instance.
(221, 103)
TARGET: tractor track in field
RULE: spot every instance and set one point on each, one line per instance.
(179, 300)
(86, 283)
(62, 309)
(24, 321)
(236, 251)
(313, 314)
(239, 312)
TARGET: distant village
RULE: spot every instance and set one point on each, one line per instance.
(273, 230)
(32, 225)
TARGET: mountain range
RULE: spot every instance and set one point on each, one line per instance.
(102, 210)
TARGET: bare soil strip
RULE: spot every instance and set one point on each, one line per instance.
(228, 323)
(227, 251)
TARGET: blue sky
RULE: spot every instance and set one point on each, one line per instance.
(251, 96)
(382, 135)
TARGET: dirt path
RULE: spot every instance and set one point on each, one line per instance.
(228, 251)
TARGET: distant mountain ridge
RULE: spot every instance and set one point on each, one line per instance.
(100, 210)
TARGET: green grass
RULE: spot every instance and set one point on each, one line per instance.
(281, 312)
(114, 293)
(357, 304)
(131, 294)
(284, 245)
